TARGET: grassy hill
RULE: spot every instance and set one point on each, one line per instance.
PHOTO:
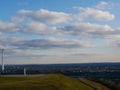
(95, 85)
(46, 82)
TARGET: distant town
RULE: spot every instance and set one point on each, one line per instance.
(88, 70)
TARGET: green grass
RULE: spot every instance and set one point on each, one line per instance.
(98, 86)
(47, 82)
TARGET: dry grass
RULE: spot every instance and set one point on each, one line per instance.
(98, 86)
(44, 82)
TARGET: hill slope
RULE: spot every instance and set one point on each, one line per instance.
(47, 82)
(96, 86)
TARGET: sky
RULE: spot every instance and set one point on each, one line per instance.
(60, 31)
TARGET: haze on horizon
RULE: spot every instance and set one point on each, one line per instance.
(71, 31)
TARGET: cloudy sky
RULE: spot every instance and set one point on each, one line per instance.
(60, 31)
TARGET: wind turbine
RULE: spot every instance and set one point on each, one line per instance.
(3, 60)
(24, 71)
(2, 52)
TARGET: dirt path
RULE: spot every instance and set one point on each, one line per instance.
(94, 88)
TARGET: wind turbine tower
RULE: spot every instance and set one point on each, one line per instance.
(3, 60)
(24, 71)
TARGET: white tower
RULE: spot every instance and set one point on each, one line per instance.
(24, 71)
(3, 60)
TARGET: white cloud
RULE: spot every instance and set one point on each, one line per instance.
(45, 16)
(114, 43)
(70, 29)
(106, 5)
(67, 36)
(41, 22)
(38, 28)
(7, 41)
(89, 30)
(95, 14)
(18, 19)
(86, 29)
(8, 27)
(102, 5)
(50, 43)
